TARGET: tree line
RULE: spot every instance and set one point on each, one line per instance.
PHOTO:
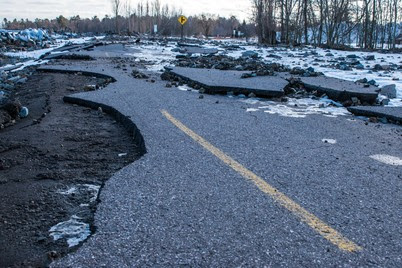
(367, 23)
(141, 18)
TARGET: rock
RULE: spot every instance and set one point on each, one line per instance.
(352, 56)
(297, 71)
(252, 95)
(201, 96)
(24, 112)
(90, 88)
(168, 85)
(53, 255)
(310, 69)
(239, 68)
(329, 55)
(22, 80)
(386, 67)
(372, 82)
(137, 74)
(363, 81)
(384, 101)
(347, 103)
(355, 101)
(274, 56)
(344, 67)
(247, 75)
(250, 54)
(379, 67)
(369, 57)
(389, 91)
(359, 66)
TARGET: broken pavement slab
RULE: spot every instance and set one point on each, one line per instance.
(198, 50)
(218, 81)
(340, 90)
(390, 113)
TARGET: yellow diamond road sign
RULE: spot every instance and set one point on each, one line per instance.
(182, 20)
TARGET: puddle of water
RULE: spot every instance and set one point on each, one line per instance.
(73, 230)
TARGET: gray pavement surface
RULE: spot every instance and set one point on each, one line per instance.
(393, 113)
(339, 89)
(100, 51)
(181, 206)
(218, 81)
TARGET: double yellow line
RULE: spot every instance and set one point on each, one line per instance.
(315, 223)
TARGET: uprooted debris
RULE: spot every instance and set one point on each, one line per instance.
(256, 66)
(223, 62)
(10, 111)
(28, 39)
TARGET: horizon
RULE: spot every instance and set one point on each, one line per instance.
(47, 9)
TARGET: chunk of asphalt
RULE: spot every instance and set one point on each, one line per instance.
(198, 50)
(339, 89)
(390, 113)
(218, 81)
(389, 91)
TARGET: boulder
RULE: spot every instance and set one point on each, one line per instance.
(389, 91)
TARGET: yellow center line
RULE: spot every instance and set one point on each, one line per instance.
(310, 219)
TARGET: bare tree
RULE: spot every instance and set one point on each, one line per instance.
(116, 5)
(207, 22)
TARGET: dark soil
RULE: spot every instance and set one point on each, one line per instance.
(58, 146)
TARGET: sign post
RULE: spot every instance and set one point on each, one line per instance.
(182, 20)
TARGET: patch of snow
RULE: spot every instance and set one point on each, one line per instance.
(299, 108)
(387, 159)
(69, 191)
(330, 141)
(85, 189)
(318, 59)
(35, 54)
(186, 88)
(73, 230)
(155, 57)
(30, 63)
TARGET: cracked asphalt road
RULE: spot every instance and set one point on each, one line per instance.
(181, 205)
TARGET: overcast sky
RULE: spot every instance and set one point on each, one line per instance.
(31, 9)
